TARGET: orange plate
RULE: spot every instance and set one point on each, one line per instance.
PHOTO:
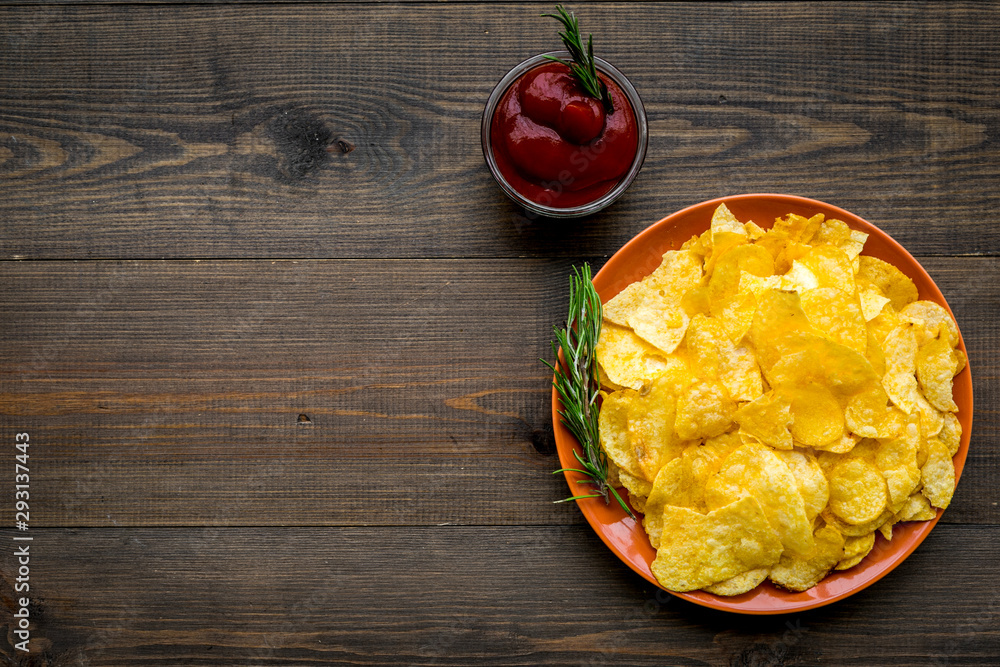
(638, 258)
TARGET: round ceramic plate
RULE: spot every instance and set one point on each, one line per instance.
(626, 537)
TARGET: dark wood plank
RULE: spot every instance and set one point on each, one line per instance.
(465, 595)
(170, 393)
(213, 131)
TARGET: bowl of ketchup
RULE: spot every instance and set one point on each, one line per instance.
(557, 151)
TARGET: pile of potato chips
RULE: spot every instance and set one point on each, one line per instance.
(771, 398)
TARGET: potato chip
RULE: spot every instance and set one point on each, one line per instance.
(725, 278)
(678, 271)
(736, 314)
(868, 415)
(637, 487)
(874, 354)
(628, 361)
(714, 357)
(858, 492)
(800, 573)
(695, 301)
(704, 409)
(916, 508)
(882, 324)
(817, 418)
(740, 584)
(726, 232)
(852, 530)
(886, 528)
(935, 320)
(777, 324)
(821, 266)
(938, 475)
(897, 460)
(706, 459)
(767, 420)
(613, 430)
(951, 433)
(900, 380)
(855, 550)
(753, 230)
(651, 417)
(889, 280)
(697, 550)
(837, 315)
(673, 486)
(936, 365)
(658, 319)
(757, 471)
(872, 302)
(809, 479)
(755, 285)
(799, 228)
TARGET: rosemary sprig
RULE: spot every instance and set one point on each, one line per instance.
(583, 66)
(575, 379)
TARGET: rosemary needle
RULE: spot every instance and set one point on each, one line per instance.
(583, 66)
(575, 380)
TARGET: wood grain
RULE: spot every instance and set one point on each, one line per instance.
(545, 595)
(170, 393)
(346, 131)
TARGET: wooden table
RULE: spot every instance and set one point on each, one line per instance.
(274, 332)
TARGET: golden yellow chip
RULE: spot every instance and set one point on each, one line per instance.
(659, 320)
(777, 325)
(637, 487)
(852, 530)
(937, 364)
(628, 361)
(740, 584)
(855, 550)
(938, 475)
(613, 431)
(798, 228)
(809, 479)
(837, 315)
(951, 433)
(916, 508)
(821, 266)
(767, 420)
(704, 410)
(817, 418)
(897, 460)
(934, 320)
(889, 280)
(697, 550)
(713, 356)
(872, 302)
(800, 573)
(679, 271)
(756, 470)
(673, 486)
(736, 315)
(725, 278)
(651, 416)
(858, 493)
(900, 380)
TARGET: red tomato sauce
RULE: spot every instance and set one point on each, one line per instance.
(555, 144)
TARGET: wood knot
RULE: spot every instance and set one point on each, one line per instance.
(300, 139)
(340, 145)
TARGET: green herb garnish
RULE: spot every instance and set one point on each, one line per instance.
(583, 66)
(578, 387)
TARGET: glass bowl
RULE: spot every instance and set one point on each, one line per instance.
(534, 208)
